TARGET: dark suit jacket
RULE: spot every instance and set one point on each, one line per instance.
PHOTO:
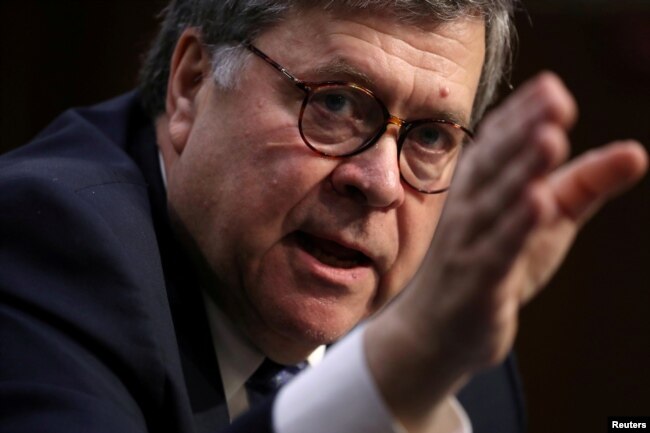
(102, 327)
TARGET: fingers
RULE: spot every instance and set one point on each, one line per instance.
(547, 148)
(555, 103)
(519, 143)
(497, 200)
(499, 238)
(507, 130)
(509, 233)
(587, 182)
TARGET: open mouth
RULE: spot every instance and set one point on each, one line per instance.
(331, 253)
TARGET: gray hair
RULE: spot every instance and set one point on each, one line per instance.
(224, 23)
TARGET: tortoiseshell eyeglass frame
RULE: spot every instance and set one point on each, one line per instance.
(309, 87)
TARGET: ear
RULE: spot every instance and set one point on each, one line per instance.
(190, 64)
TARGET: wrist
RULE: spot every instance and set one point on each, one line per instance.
(412, 375)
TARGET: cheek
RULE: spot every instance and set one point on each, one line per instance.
(417, 222)
(251, 155)
(240, 182)
(238, 162)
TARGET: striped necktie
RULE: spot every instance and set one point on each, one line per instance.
(270, 377)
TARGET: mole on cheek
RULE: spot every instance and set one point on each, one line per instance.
(444, 91)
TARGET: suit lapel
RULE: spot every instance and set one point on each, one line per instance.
(198, 358)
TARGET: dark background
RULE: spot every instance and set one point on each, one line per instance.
(584, 344)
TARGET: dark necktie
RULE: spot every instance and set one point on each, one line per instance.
(268, 378)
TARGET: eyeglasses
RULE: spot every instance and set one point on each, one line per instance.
(340, 119)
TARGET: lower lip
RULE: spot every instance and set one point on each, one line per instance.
(344, 277)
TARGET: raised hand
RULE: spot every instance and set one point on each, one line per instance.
(511, 215)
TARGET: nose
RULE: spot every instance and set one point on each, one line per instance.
(372, 177)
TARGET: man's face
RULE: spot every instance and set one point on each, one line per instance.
(303, 246)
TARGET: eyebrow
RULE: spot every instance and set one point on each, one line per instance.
(453, 116)
(340, 67)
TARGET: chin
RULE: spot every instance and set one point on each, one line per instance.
(311, 322)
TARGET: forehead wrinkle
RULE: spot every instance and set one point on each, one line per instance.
(430, 43)
(436, 51)
(428, 58)
(437, 48)
(341, 66)
(431, 62)
(354, 69)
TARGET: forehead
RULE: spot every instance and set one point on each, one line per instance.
(409, 66)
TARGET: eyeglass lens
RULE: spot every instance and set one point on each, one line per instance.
(339, 120)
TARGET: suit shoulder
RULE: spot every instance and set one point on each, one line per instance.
(83, 147)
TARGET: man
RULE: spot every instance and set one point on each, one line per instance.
(305, 152)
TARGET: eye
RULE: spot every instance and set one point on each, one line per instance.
(338, 102)
(429, 136)
(335, 102)
(432, 137)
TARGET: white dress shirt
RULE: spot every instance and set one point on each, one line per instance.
(238, 358)
(342, 396)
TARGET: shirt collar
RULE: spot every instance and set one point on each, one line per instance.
(237, 357)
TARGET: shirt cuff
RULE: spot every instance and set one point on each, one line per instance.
(341, 396)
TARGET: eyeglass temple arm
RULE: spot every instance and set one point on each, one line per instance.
(259, 53)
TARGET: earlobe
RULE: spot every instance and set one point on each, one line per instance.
(189, 65)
